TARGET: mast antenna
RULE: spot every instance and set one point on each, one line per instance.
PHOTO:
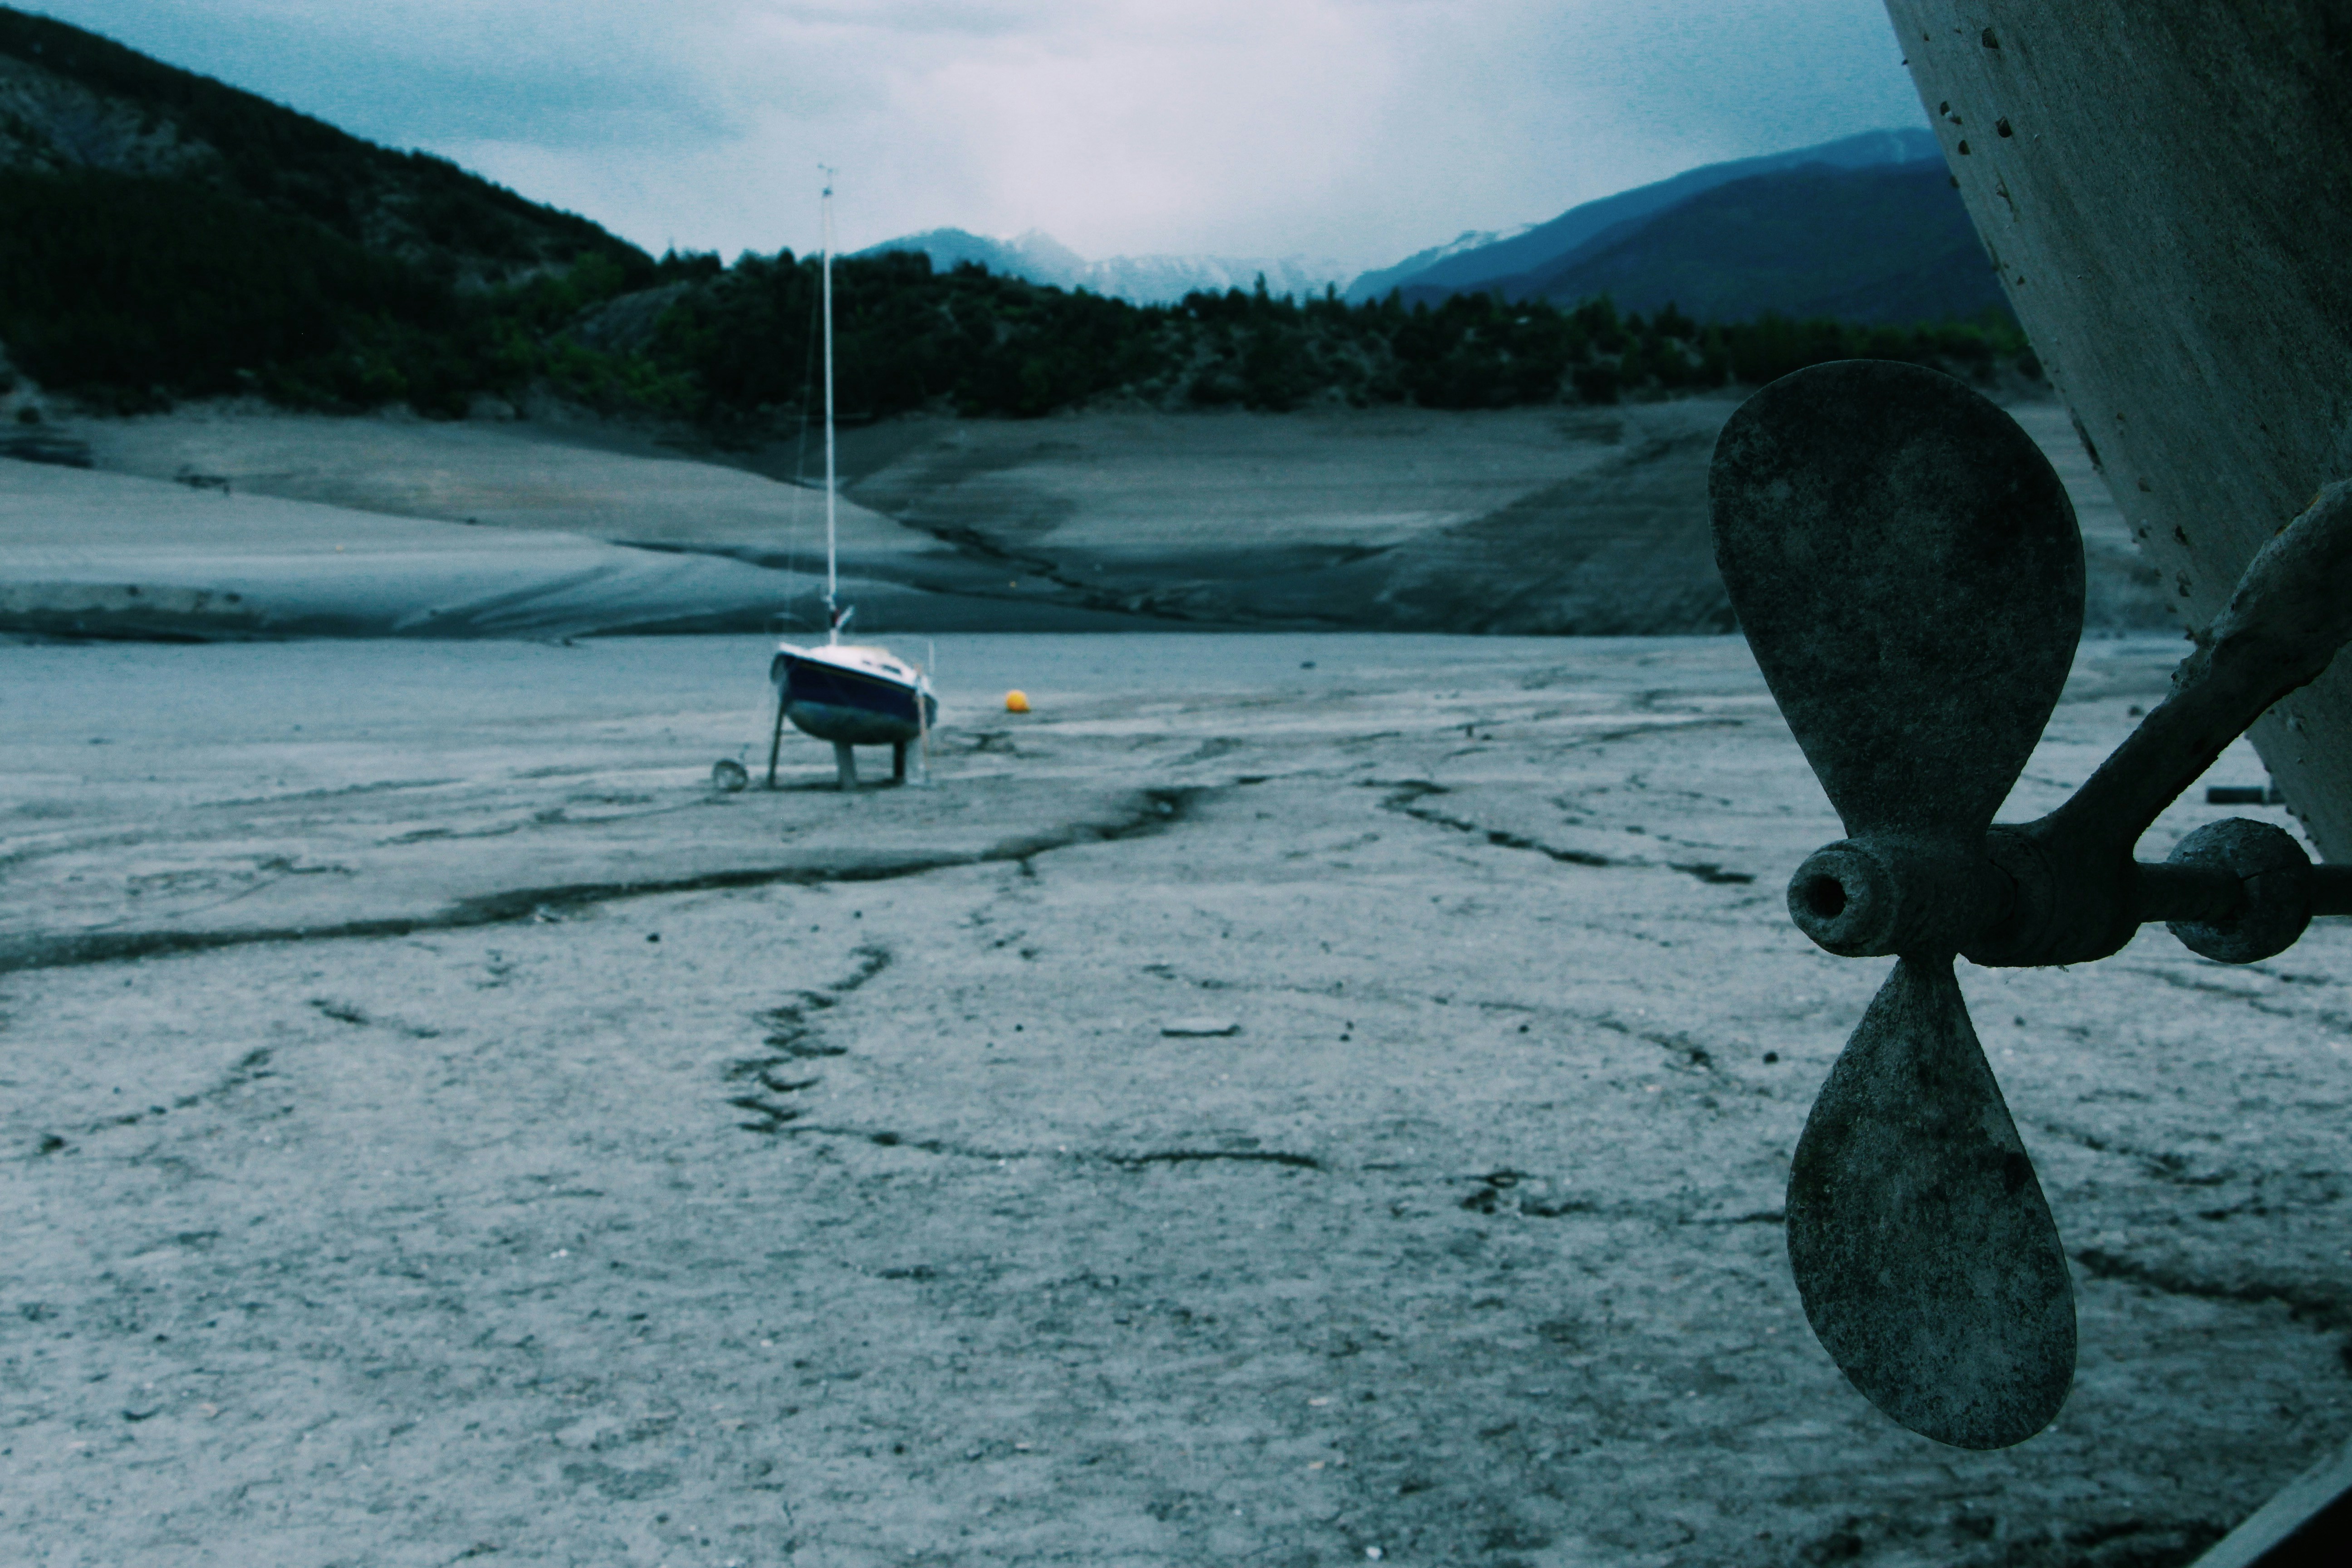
(832, 566)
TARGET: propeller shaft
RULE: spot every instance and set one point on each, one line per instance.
(2289, 613)
(2235, 890)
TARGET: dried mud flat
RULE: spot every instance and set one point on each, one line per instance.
(447, 1132)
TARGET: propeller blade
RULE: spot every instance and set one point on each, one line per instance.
(1929, 1266)
(1908, 570)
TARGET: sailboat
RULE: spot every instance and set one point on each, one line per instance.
(850, 694)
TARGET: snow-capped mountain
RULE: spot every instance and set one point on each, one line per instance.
(1374, 284)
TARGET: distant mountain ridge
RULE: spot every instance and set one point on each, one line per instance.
(1375, 284)
(1539, 246)
(1039, 257)
(1917, 262)
(1890, 245)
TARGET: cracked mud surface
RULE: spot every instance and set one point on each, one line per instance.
(858, 1211)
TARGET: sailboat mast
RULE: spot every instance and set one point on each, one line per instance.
(832, 568)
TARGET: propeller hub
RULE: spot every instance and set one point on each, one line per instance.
(1864, 898)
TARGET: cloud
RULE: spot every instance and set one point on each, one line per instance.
(1354, 128)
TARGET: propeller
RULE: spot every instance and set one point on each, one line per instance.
(1908, 570)
(1908, 573)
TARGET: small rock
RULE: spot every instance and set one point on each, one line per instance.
(1199, 1028)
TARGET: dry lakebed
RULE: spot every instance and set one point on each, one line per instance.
(1288, 1099)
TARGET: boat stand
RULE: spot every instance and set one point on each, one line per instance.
(776, 740)
(845, 758)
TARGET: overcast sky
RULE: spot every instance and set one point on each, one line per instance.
(1355, 130)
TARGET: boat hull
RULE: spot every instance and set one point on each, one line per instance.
(851, 707)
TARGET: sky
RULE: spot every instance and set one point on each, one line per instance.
(1354, 130)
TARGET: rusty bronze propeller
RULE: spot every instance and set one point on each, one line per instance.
(1908, 570)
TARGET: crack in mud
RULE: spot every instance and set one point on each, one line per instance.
(2252, 1000)
(248, 1069)
(1405, 799)
(1709, 872)
(1150, 811)
(1503, 1192)
(1191, 1156)
(884, 1139)
(2161, 1166)
(380, 786)
(794, 1036)
(2318, 1306)
(352, 1013)
(1969, 1543)
(1695, 1057)
(1489, 1196)
(1666, 724)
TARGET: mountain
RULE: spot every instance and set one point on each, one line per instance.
(1036, 255)
(1889, 245)
(1039, 257)
(73, 105)
(1164, 280)
(1457, 266)
(162, 235)
(1375, 285)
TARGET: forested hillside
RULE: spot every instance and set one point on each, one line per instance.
(907, 337)
(73, 103)
(164, 235)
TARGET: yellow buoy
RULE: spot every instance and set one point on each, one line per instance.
(1016, 702)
